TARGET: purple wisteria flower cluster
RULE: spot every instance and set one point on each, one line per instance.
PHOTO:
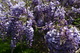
(52, 17)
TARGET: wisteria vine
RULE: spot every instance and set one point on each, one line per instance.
(52, 17)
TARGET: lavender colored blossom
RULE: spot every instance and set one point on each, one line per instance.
(60, 12)
(29, 32)
(36, 2)
(55, 41)
(17, 12)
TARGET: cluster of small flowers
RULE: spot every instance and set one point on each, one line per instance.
(63, 40)
(12, 27)
(76, 10)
